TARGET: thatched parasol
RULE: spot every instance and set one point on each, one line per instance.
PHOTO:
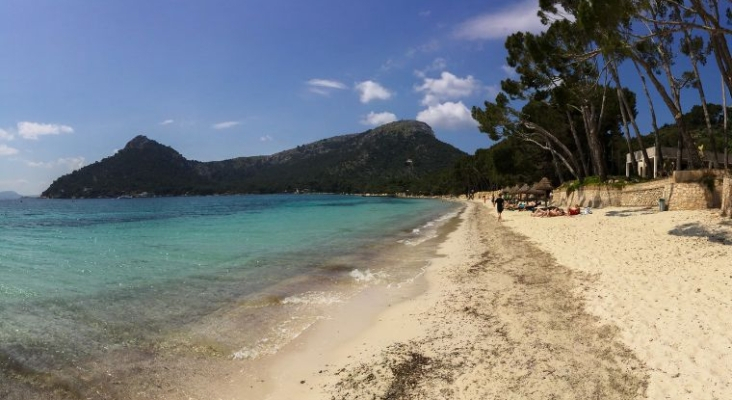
(544, 186)
(523, 190)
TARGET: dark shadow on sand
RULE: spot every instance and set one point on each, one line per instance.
(695, 229)
(630, 212)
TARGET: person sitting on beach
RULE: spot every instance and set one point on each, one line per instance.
(573, 210)
(539, 213)
(556, 212)
(549, 212)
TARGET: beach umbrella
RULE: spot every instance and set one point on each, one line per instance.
(513, 191)
(524, 189)
(545, 186)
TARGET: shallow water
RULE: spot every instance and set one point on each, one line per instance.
(90, 282)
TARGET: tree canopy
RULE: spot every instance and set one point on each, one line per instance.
(569, 99)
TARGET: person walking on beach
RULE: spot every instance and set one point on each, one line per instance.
(499, 205)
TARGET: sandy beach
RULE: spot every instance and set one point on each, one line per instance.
(619, 304)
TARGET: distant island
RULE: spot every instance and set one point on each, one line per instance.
(400, 157)
(10, 195)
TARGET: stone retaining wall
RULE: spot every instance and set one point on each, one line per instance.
(588, 196)
(682, 191)
(644, 194)
(726, 197)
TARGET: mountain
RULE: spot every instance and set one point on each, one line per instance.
(9, 196)
(397, 157)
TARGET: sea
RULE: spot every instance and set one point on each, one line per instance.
(98, 293)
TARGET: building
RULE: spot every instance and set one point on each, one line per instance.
(669, 161)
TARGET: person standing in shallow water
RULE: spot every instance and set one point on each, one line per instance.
(499, 206)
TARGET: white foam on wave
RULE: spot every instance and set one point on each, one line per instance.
(367, 276)
(317, 298)
(281, 335)
(428, 230)
(408, 281)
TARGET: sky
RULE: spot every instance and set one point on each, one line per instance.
(218, 79)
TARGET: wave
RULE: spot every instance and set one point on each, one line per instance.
(428, 230)
(283, 334)
(316, 298)
(367, 276)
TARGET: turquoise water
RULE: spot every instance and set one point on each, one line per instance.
(84, 280)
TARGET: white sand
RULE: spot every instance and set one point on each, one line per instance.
(620, 304)
(664, 279)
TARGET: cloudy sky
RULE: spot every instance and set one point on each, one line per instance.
(220, 79)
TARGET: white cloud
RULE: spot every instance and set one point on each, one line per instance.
(510, 71)
(376, 119)
(448, 87)
(5, 135)
(492, 91)
(438, 65)
(327, 83)
(266, 138)
(32, 130)
(325, 86)
(429, 47)
(69, 163)
(498, 25)
(370, 90)
(450, 116)
(226, 125)
(167, 122)
(7, 151)
(389, 64)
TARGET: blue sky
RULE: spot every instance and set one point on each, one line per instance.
(217, 79)
(221, 79)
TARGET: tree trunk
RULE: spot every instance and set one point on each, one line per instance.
(568, 158)
(674, 106)
(724, 127)
(626, 130)
(549, 147)
(717, 38)
(654, 121)
(593, 141)
(580, 150)
(695, 66)
(625, 111)
(557, 170)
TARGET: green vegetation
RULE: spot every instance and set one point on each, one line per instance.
(568, 113)
(401, 157)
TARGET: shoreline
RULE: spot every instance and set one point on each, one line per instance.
(570, 307)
